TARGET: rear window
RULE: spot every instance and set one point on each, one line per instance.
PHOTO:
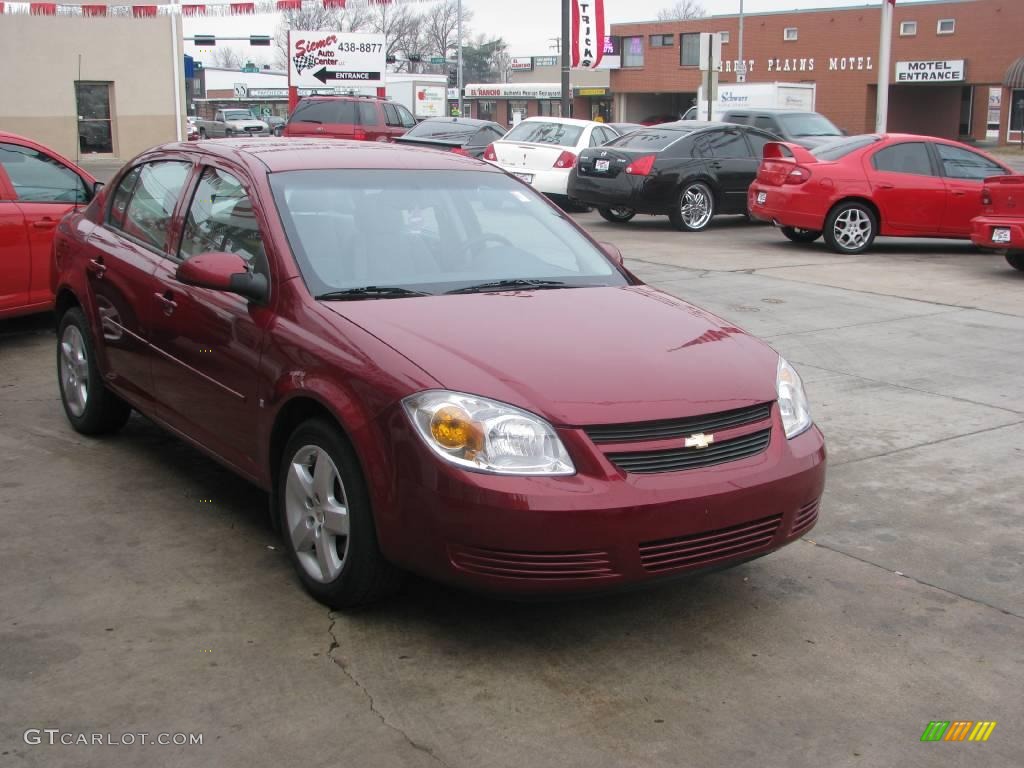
(345, 112)
(836, 150)
(651, 139)
(541, 132)
(442, 130)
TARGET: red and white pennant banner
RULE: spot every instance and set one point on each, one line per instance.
(587, 33)
(188, 9)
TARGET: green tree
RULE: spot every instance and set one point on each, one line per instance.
(481, 60)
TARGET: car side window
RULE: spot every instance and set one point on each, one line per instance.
(123, 193)
(595, 138)
(39, 178)
(701, 146)
(405, 116)
(152, 202)
(766, 123)
(728, 144)
(221, 218)
(910, 157)
(391, 116)
(367, 113)
(960, 163)
(757, 142)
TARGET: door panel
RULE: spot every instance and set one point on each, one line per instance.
(41, 220)
(15, 258)
(910, 195)
(732, 163)
(964, 172)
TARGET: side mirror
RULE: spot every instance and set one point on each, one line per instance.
(227, 272)
(613, 253)
(96, 187)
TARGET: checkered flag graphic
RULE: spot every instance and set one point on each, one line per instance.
(304, 62)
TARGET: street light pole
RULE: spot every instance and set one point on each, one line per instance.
(743, 65)
(460, 59)
(566, 57)
(884, 58)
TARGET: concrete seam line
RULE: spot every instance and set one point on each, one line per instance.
(904, 575)
(946, 311)
(369, 697)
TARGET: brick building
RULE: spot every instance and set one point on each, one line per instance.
(837, 48)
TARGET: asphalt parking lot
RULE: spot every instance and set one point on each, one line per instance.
(142, 591)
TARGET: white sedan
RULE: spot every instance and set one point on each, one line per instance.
(543, 150)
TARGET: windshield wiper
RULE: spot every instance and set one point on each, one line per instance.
(370, 292)
(509, 285)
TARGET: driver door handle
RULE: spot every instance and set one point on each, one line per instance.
(46, 223)
(97, 267)
(887, 186)
(167, 299)
(958, 193)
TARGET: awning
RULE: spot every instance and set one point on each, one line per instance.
(1015, 74)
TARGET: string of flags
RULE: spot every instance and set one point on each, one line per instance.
(102, 10)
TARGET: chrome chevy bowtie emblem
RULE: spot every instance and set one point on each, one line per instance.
(699, 440)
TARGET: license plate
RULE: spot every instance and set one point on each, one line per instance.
(761, 198)
(527, 177)
(602, 165)
(1001, 235)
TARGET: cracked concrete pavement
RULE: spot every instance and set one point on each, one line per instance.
(130, 603)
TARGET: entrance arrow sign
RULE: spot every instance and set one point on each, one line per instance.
(324, 74)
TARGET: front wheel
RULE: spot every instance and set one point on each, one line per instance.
(91, 408)
(228, 133)
(1016, 260)
(202, 133)
(326, 521)
(617, 214)
(851, 228)
(694, 208)
(798, 235)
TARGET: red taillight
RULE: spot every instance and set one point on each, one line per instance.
(359, 134)
(641, 166)
(986, 196)
(490, 154)
(798, 175)
(460, 151)
(565, 160)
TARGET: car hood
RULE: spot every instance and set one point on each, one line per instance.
(578, 356)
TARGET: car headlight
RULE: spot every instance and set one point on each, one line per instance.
(487, 436)
(793, 404)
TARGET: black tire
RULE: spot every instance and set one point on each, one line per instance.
(685, 223)
(102, 412)
(365, 576)
(228, 133)
(1016, 260)
(798, 235)
(617, 214)
(279, 131)
(202, 133)
(859, 232)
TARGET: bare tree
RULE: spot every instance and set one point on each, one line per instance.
(227, 58)
(503, 64)
(399, 24)
(317, 18)
(440, 28)
(682, 9)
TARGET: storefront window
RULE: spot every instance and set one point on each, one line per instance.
(632, 51)
(94, 129)
(517, 111)
(1017, 110)
(486, 110)
(550, 108)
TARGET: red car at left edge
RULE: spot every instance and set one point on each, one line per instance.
(37, 188)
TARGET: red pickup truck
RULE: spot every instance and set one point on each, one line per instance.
(1001, 225)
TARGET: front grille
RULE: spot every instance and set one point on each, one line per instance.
(710, 547)
(806, 517)
(669, 428)
(253, 129)
(533, 565)
(675, 459)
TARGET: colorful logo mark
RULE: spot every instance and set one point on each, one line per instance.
(958, 730)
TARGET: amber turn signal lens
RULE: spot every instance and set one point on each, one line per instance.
(453, 429)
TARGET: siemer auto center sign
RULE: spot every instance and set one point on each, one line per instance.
(951, 71)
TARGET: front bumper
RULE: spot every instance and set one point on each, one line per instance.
(600, 529)
(795, 206)
(982, 229)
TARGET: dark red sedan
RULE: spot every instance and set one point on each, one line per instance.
(855, 189)
(430, 368)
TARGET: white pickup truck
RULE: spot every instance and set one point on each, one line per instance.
(231, 122)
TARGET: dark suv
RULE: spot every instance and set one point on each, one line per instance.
(349, 117)
(808, 129)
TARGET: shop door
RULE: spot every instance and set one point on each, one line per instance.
(95, 134)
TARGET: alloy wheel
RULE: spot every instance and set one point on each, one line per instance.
(852, 229)
(316, 511)
(74, 370)
(696, 207)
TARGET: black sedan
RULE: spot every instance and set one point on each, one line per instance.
(456, 134)
(689, 170)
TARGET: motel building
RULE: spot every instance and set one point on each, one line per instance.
(957, 65)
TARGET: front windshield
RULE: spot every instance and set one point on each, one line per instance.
(237, 114)
(429, 231)
(809, 124)
(542, 132)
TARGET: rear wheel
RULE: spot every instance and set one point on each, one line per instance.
(91, 408)
(202, 133)
(798, 235)
(326, 521)
(851, 228)
(617, 214)
(1016, 260)
(694, 208)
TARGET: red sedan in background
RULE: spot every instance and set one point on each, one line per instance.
(852, 190)
(430, 368)
(1001, 225)
(37, 187)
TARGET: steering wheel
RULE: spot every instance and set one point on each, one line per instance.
(483, 239)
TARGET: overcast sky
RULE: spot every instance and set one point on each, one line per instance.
(528, 25)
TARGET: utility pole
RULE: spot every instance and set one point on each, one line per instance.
(884, 56)
(460, 59)
(566, 57)
(743, 64)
